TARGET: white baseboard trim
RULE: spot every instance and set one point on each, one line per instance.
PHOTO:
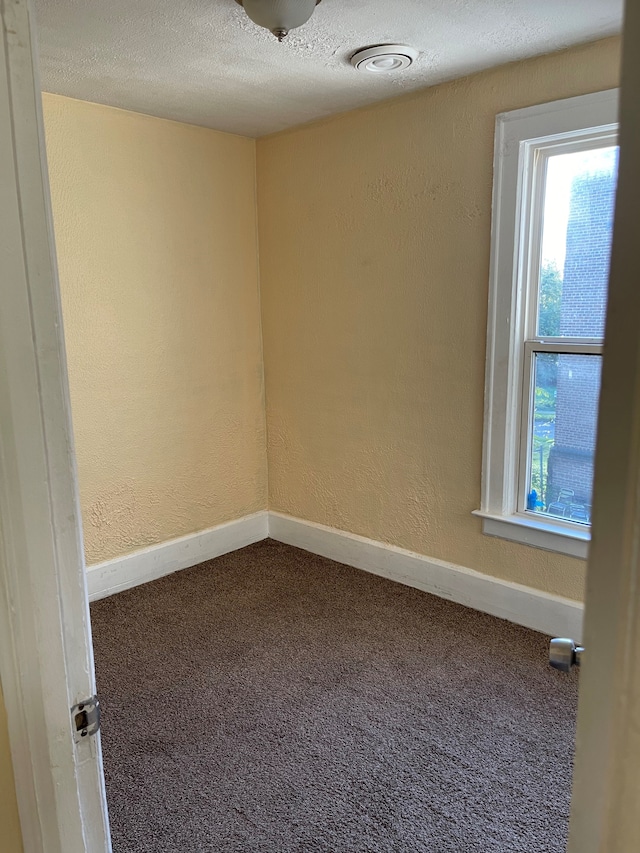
(549, 614)
(150, 563)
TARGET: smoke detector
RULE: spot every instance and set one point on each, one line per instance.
(279, 16)
(384, 57)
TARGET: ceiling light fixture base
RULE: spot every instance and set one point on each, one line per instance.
(279, 16)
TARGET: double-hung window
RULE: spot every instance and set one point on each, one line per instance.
(555, 173)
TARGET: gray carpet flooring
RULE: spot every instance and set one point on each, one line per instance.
(274, 701)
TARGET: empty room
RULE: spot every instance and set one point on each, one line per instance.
(316, 388)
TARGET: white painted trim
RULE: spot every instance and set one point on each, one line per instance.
(46, 657)
(150, 563)
(605, 802)
(550, 614)
(520, 604)
(518, 136)
(538, 532)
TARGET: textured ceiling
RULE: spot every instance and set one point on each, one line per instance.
(204, 62)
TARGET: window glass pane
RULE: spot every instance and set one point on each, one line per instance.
(576, 242)
(563, 433)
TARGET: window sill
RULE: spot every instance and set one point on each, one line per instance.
(538, 533)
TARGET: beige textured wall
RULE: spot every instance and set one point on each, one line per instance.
(10, 835)
(155, 227)
(374, 257)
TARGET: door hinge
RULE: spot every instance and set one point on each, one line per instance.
(86, 718)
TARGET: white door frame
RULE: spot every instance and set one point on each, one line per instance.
(605, 814)
(46, 662)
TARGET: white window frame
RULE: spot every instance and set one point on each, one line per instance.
(521, 137)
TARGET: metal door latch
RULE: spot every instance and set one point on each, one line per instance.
(86, 718)
(564, 653)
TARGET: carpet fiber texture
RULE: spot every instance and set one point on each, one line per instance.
(274, 701)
